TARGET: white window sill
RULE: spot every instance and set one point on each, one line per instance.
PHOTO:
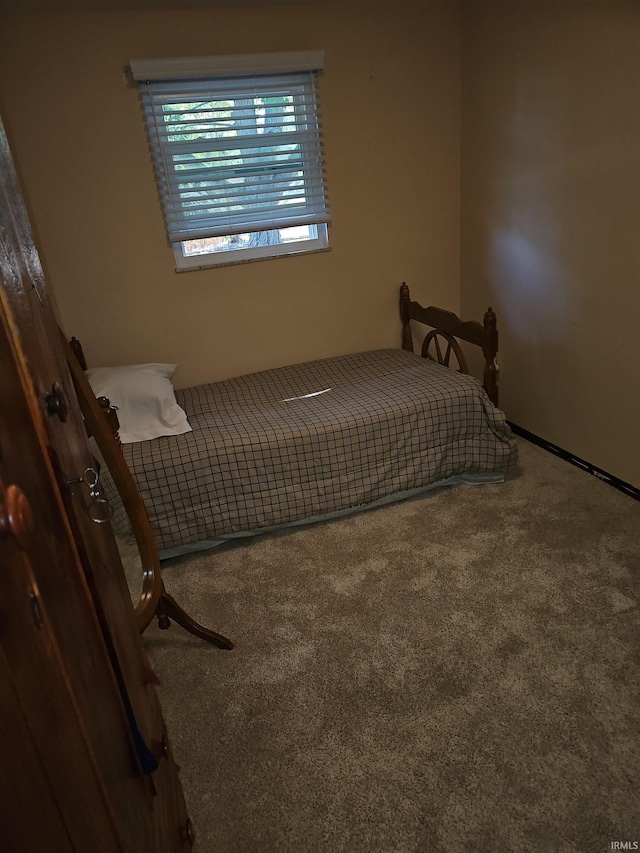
(232, 263)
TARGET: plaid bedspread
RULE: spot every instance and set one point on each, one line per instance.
(301, 441)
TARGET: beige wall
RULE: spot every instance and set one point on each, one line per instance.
(392, 76)
(551, 214)
(548, 210)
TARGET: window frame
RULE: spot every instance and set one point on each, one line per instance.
(252, 72)
(227, 257)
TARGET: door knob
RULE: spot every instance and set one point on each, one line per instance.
(16, 518)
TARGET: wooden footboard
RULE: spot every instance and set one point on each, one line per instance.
(102, 423)
(449, 329)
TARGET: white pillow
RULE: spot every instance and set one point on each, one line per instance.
(145, 399)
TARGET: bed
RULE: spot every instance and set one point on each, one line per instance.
(316, 440)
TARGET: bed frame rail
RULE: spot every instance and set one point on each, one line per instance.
(450, 326)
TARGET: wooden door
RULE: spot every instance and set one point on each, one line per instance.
(77, 682)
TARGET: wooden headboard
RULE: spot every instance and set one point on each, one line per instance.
(451, 328)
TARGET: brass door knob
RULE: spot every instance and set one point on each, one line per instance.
(16, 518)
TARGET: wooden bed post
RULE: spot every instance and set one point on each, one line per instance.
(76, 346)
(405, 299)
(490, 350)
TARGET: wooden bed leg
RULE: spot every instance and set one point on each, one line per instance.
(168, 608)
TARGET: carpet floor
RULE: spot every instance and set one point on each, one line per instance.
(452, 673)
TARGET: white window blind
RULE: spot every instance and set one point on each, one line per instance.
(235, 153)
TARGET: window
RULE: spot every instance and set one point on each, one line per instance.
(237, 154)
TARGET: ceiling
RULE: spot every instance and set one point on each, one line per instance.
(116, 5)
